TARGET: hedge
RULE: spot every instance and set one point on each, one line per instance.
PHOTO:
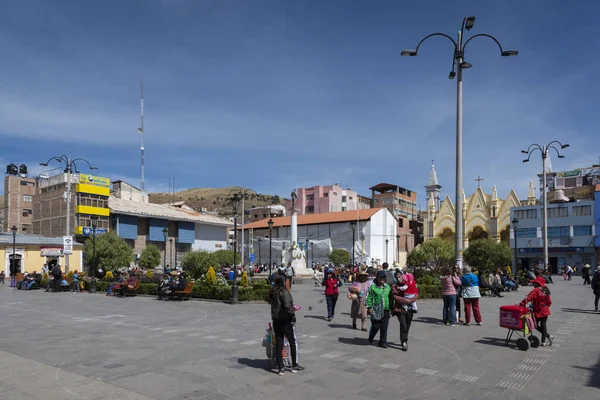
(258, 292)
(430, 291)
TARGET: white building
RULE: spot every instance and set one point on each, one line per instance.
(328, 231)
(140, 223)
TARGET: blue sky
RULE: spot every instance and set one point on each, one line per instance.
(273, 95)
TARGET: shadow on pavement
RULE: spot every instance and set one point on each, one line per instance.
(579, 311)
(347, 326)
(258, 363)
(356, 341)
(428, 320)
(493, 342)
(594, 380)
(316, 317)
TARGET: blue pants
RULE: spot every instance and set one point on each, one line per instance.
(331, 301)
(380, 326)
(449, 310)
(511, 285)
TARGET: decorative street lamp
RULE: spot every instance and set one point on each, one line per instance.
(70, 167)
(235, 200)
(171, 252)
(398, 248)
(165, 232)
(270, 223)
(308, 252)
(544, 152)
(13, 266)
(387, 242)
(460, 64)
(94, 219)
(515, 224)
(353, 226)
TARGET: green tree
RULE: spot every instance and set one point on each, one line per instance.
(487, 254)
(112, 252)
(435, 252)
(150, 257)
(196, 263)
(339, 257)
(224, 257)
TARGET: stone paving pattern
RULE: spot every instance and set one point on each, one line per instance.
(81, 346)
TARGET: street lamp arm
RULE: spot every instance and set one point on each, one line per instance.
(562, 146)
(84, 160)
(58, 159)
(485, 35)
(436, 34)
(532, 148)
(555, 149)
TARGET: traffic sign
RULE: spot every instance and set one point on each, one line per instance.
(67, 245)
(252, 257)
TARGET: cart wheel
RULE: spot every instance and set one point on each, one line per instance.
(535, 341)
(522, 344)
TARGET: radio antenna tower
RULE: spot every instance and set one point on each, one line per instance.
(141, 132)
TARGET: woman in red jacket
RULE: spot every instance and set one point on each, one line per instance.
(331, 283)
(540, 298)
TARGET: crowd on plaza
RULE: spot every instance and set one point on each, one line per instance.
(379, 294)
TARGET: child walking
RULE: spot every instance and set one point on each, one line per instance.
(540, 298)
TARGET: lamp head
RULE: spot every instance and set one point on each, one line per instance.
(408, 53)
(509, 53)
(43, 164)
(270, 223)
(236, 202)
(526, 160)
(564, 146)
(466, 65)
(452, 75)
(470, 22)
(524, 152)
(515, 222)
(561, 156)
(14, 230)
(93, 167)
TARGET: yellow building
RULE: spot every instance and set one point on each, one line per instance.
(92, 193)
(32, 252)
(484, 215)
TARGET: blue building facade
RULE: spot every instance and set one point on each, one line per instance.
(572, 236)
(597, 218)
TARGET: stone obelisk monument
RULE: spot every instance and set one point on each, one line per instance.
(295, 255)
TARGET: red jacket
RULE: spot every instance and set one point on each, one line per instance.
(331, 286)
(541, 302)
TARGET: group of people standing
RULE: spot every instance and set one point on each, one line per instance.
(456, 286)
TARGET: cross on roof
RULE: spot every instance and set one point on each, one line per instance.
(479, 179)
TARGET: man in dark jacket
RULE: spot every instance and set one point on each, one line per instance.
(284, 323)
(56, 278)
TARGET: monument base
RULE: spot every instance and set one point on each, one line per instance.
(298, 260)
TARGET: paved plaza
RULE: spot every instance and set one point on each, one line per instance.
(81, 346)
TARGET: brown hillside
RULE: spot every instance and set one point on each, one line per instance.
(215, 199)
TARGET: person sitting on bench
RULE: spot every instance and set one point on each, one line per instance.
(483, 285)
(128, 285)
(177, 286)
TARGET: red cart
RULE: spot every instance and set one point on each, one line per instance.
(522, 321)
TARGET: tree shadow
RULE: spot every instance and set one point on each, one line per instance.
(429, 320)
(258, 363)
(594, 379)
(498, 342)
(316, 317)
(579, 311)
(356, 341)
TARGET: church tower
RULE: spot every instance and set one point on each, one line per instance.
(432, 189)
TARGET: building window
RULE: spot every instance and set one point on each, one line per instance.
(325, 194)
(27, 197)
(27, 213)
(310, 197)
(350, 197)
(570, 183)
(343, 199)
(582, 230)
(25, 183)
(527, 233)
(310, 209)
(526, 214)
(401, 222)
(558, 212)
(582, 210)
(559, 231)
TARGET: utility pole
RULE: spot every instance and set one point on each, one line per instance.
(141, 132)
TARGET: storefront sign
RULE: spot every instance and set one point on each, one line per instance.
(569, 174)
(87, 231)
(590, 171)
(94, 180)
(51, 251)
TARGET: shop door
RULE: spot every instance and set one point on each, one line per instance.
(553, 265)
(14, 266)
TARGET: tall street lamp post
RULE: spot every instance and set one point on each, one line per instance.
(93, 267)
(70, 167)
(353, 226)
(165, 232)
(235, 200)
(362, 249)
(270, 223)
(259, 258)
(387, 242)
(398, 248)
(459, 63)
(13, 265)
(515, 224)
(308, 252)
(544, 152)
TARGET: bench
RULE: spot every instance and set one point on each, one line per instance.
(485, 291)
(131, 292)
(187, 292)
